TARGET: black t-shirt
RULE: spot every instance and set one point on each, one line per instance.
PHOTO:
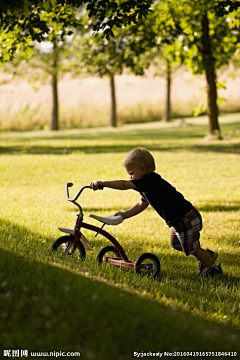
(163, 197)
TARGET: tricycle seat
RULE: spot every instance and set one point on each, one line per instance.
(109, 220)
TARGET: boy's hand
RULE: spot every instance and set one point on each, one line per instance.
(119, 213)
(96, 186)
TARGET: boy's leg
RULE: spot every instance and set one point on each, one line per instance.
(201, 267)
(188, 234)
(205, 257)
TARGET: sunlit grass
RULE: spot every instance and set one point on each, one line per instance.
(29, 117)
(34, 169)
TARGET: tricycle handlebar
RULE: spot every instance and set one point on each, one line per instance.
(78, 194)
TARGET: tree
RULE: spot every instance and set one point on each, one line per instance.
(49, 60)
(209, 42)
(102, 57)
(167, 110)
(136, 47)
(129, 48)
(153, 42)
(203, 34)
(204, 40)
(45, 65)
(54, 62)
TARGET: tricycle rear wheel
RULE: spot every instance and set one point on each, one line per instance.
(66, 244)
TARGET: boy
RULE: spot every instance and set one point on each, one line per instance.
(178, 213)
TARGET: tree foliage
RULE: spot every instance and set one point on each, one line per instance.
(25, 20)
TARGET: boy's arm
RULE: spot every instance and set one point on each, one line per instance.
(135, 210)
(113, 184)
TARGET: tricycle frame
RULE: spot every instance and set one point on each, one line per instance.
(80, 224)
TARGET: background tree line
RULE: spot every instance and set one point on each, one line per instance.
(104, 38)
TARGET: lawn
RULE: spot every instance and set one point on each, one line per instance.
(50, 302)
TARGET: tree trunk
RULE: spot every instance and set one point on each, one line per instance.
(113, 117)
(55, 116)
(210, 72)
(167, 111)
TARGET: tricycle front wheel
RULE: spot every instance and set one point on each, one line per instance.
(147, 264)
(65, 243)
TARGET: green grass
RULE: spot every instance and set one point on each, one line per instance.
(50, 302)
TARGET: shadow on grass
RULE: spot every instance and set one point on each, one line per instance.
(111, 133)
(125, 133)
(118, 148)
(48, 308)
(118, 138)
(215, 206)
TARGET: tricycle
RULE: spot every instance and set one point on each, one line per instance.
(146, 264)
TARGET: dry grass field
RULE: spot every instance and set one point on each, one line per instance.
(85, 102)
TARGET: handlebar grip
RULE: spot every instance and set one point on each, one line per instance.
(78, 194)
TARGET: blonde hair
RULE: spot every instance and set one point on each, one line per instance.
(140, 156)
